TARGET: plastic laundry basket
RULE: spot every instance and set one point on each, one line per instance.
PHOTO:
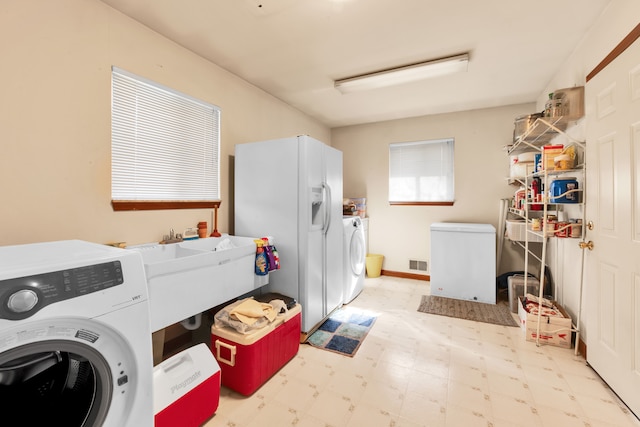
(374, 265)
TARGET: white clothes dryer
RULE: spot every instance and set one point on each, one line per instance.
(75, 341)
(354, 258)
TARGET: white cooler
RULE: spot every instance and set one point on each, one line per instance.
(186, 388)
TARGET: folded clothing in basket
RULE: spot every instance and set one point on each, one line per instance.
(247, 315)
(249, 311)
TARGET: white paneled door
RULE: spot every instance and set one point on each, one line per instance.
(612, 286)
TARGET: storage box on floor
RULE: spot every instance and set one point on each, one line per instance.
(553, 330)
(248, 360)
(515, 286)
(186, 388)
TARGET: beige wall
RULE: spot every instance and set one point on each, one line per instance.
(401, 233)
(55, 120)
(618, 19)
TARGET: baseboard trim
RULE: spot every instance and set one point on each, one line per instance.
(404, 275)
(582, 348)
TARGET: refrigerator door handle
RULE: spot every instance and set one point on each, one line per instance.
(327, 207)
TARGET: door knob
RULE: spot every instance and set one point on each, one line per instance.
(586, 245)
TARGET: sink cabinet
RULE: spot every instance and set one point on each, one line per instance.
(190, 277)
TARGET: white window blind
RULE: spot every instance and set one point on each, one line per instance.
(165, 145)
(421, 171)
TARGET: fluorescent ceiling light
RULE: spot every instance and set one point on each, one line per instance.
(406, 74)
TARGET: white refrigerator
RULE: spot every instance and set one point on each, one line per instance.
(291, 189)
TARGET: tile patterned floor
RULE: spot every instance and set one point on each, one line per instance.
(416, 369)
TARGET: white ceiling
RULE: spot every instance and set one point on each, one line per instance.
(295, 49)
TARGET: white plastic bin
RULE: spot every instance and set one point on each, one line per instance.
(515, 289)
(517, 231)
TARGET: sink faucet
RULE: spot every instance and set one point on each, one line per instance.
(172, 237)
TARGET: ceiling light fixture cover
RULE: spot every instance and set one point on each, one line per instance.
(405, 74)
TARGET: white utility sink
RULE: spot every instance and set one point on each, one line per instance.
(156, 253)
(192, 276)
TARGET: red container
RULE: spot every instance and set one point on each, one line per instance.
(186, 388)
(563, 229)
(248, 360)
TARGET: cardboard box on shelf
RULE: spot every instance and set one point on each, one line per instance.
(549, 152)
(553, 330)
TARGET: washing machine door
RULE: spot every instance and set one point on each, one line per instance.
(72, 373)
(56, 380)
(357, 254)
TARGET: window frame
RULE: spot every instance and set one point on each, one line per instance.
(450, 141)
(209, 183)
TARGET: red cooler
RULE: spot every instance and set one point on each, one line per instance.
(186, 388)
(248, 360)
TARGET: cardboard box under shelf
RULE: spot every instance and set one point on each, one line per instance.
(555, 331)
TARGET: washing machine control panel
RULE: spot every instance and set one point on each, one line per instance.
(357, 222)
(22, 297)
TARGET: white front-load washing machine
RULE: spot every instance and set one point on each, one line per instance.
(75, 341)
(354, 257)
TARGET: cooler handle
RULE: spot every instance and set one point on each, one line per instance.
(232, 349)
(184, 361)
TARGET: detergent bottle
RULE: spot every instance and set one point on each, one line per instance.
(276, 258)
(271, 253)
(262, 264)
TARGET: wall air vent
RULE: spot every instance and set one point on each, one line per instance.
(419, 265)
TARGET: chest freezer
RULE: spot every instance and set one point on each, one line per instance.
(463, 261)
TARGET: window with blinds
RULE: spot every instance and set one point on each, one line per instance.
(421, 171)
(165, 146)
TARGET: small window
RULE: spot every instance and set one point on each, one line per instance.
(165, 147)
(421, 172)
